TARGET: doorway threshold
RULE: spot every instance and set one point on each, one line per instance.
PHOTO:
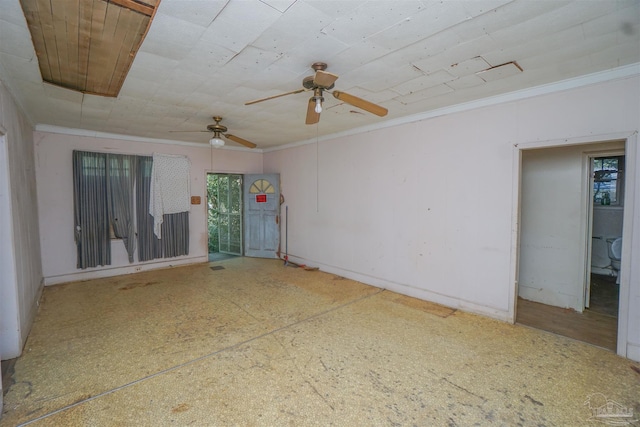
(218, 256)
(589, 326)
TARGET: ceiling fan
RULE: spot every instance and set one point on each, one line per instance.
(219, 130)
(320, 82)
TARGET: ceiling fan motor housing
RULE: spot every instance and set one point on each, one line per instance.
(308, 83)
(217, 128)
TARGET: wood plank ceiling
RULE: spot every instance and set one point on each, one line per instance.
(88, 45)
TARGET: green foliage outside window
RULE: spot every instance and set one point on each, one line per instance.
(212, 210)
(224, 204)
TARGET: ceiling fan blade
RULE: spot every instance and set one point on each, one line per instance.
(324, 79)
(240, 141)
(274, 96)
(312, 116)
(360, 103)
(182, 131)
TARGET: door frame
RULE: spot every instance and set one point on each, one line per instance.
(8, 305)
(241, 175)
(631, 159)
(10, 327)
(588, 201)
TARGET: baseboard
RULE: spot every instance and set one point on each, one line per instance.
(423, 294)
(633, 352)
(33, 311)
(549, 297)
(119, 271)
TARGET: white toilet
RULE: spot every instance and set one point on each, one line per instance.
(615, 253)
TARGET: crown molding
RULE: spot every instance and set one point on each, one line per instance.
(117, 136)
(627, 71)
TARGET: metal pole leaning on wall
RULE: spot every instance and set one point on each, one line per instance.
(286, 235)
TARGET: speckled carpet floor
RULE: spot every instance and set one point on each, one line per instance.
(258, 343)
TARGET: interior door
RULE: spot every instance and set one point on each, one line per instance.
(262, 215)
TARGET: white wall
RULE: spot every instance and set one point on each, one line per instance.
(607, 224)
(20, 262)
(428, 208)
(552, 235)
(55, 198)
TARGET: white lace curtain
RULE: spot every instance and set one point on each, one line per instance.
(174, 228)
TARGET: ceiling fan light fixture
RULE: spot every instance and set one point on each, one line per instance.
(216, 142)
(318, 108)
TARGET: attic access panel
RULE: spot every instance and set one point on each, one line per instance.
(87, 45)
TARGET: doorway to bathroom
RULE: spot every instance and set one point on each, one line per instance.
(556, 291)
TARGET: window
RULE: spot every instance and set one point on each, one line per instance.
(262, 186)
(608, 181)
(107, 189)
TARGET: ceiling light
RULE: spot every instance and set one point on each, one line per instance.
(216, 142)
(318, 105)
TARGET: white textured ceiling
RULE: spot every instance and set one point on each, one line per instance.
(205, 57)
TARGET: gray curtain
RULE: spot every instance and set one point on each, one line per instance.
(175, 234)
(149, 246)
(120, 187)
(175, 227)
(91, 213)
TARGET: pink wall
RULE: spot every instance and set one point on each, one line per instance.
(20, 266)
(430, 208)
(55, 199)
(421, 208)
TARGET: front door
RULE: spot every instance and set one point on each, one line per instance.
(262, 215)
